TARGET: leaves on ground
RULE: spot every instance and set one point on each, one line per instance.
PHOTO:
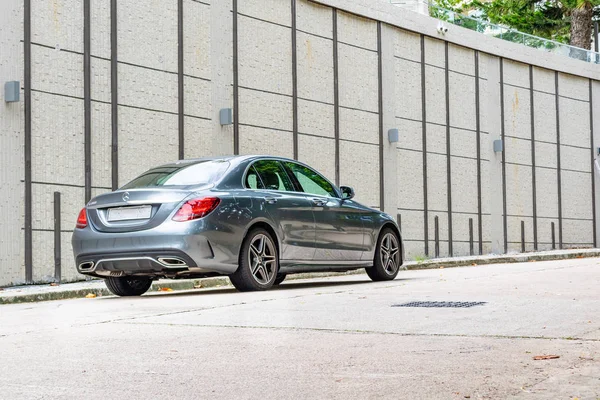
(165, 289)
(54, 284)
(90, 296)
(546, 357)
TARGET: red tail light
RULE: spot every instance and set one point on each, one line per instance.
(196, 208)
(82, 219)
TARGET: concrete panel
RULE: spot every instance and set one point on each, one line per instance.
(577, 232)
(576, 195)
(436, 138)
(486, 229)
(437, 184)
(414, 250)
(153, 134)
(56, 152)
(315, 68)
(265, 56)
(58, 23)
(266, 141)
(100, 84)
(197, 97)
(410, 179)
(484, 94)
(464, 185)
(43, 256)
(517, 151)
(575, 158)
(68, 270)
(443, 249)
(314, 18)
(44, 66)
(316, 118)
(460, 233)
(516, 73)
(435, 52)
(486, 189)
(519, 197)
(408, 89)
(574, 122)
(573, 86)
(358, 74)
(517, 117)
(545, 155)
(544, 226)
(463, 143)
(461, 59)
(265, 110)
(443, 226)
(318, 153)
(146, 88)
(462, 101)
(545, 117)
(359, 126)
(199, 138)
(140, 19)
(412, 225)
(101, 145)
(197, 39)
(514, 233)
(410, 134)
(462, 249)
(364, 180)
(435, 94)
(546, 192)
(72, 200)
(357, 31)
(277, 11)
(407, 45)
(544, 80)
(484, 61)
(100, 28)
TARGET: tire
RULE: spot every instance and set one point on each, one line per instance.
(258, 264)
(280, 278)
(128, 286)
(388, 257)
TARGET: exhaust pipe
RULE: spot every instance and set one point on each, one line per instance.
(172, 262)
(86, 266)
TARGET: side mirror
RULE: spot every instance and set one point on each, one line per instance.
(347, 192)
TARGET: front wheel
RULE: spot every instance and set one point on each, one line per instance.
(128, 286)
(258, 263)
(387, 260)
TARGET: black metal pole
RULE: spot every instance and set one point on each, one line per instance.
(553, 236)
(57, 239)
(522, 236)
(471, 250)
(437, 235)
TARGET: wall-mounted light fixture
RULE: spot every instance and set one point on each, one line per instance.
(12, 90)
(393, 135)
(226, 116)
(498, 146)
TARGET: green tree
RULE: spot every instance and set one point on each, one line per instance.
(566, 21)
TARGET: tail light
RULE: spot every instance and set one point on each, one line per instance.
(82, 219)
(196, 208)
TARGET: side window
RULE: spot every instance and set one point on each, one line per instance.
(252, 180)
(273, 175)
(311, 181)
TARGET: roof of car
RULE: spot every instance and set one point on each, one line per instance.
(225, 158)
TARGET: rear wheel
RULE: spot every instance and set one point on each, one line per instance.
(128, 286)
(258, 265)
(387, 262)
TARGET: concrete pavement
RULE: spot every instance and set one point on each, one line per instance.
(339, 337)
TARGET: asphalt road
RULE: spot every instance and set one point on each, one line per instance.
(339, 337)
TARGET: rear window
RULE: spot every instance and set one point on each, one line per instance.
(204, 172)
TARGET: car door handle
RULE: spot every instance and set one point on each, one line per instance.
(319, 202)
(270, 200)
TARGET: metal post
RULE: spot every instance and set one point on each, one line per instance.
(437, 235)
(522, 236)
(399, 221)
(471, 251)
(57, 239)
(553, 236)
(596, 36)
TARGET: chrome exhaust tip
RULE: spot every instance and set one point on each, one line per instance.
(86, 266)
(172, 262)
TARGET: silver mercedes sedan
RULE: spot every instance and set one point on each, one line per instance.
(255, 219)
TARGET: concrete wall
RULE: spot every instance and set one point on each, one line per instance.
(321, 81)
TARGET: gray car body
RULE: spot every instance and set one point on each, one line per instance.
(312, 233)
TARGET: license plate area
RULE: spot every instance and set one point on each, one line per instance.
(129, 213)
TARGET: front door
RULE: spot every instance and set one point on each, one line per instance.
(338, 224)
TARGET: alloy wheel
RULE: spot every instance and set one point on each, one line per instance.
(390, 253)
(262, 258)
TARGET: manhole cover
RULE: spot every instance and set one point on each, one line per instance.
(447, 304)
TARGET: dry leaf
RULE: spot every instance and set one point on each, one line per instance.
(442, 267)
(165, 289)
(54, 284)
(198, 286)
(546, 357)
(90, 296)
(474, 265)
(579, 257)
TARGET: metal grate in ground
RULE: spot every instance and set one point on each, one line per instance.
(441, 304)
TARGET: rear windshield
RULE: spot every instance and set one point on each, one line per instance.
(181, 175)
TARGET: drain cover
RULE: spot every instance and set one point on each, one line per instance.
(447, 304)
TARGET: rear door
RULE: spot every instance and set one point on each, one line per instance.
(338, 225)
(291, 210)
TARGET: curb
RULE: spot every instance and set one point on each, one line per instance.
(224, 281)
